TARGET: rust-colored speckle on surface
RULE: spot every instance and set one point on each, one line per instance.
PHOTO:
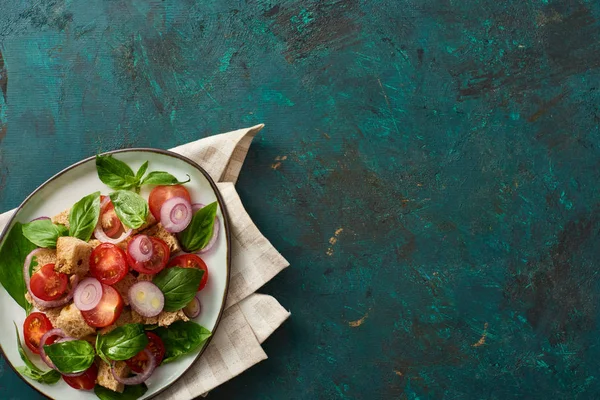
(358, 322)
(333, 240)
(481, 340)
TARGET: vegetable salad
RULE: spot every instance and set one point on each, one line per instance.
(115, 279)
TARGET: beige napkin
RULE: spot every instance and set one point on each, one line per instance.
(249, 318)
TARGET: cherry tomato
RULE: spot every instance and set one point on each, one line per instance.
(34, 327)
(109, 220)
(108, 263)
(191, 261)
(160, 194)
(86, 381)
(107, 311)
(160, 257)
(48, 284)
(138, 362)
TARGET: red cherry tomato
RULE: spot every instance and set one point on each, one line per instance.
(160, 194)
(86, 381)
(48, 284)
(109, 220)
(34, 327)
(138, 362)
(108, 263)
(191, 261)
(160, 257)
(107, 311)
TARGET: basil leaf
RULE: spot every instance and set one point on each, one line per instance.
(200, 230)
(31, 370)
(13, 252)
(84, 217)
(44, 233)
(71, 357)
(122, 343)
(181, 338)
(114, 173)
(162, 178)
(129, 393)
(179, 285)
(140, 173)
(131, 208)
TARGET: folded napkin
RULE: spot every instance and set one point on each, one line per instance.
(249, 318)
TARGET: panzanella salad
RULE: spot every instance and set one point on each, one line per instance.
(114, 282)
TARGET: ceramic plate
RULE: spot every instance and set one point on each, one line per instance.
(69, 186)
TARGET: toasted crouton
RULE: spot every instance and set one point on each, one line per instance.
(145, 277)
(43, 257)
(166, 318)
(160, 232)
(62, 218)
(106, 378)
(123, 287)
(124, 319)
(73, 255)
(136, 318)
(94, 243)
(52, 314)
(71, 321)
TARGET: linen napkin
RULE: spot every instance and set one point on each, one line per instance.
(250, 318)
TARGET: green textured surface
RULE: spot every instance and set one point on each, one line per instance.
(453, 145)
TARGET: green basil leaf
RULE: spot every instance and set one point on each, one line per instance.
(131, 208)
(84, 217)
(200, 230)
(44, 233)
(162, 178)
(13, 252)
(179, 285)
(181, 338)
(31, 370)
(140, 173)
(129, 393)
(113, 173)
(71, 357)
(122, 343)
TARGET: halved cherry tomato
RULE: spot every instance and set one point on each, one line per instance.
(107, 311)
(191, 261)
(34, 327)
(85, 381)
(48, 284)
(109, 220)
(160, 194)
(138, 362)
(108, 263)
(160, 257)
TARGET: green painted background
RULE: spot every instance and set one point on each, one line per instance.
(452, 145)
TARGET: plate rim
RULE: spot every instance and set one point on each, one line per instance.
(227, 242)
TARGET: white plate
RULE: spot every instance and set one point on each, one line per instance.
(69, 186)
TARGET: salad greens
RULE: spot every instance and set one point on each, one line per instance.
(30, 370)
(130, 393)
(117, 175)
(13, 252)
(199, 232)
(179, 286)
(71, 357)
(131, 208)
(44, 233)
(181, 338)
(122, 343)
(84, 217)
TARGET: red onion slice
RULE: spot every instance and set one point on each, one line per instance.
(88, 294)
(99, 231)
(192, 310)
(176, 214)
(146, 298)
(44, 303)
(52, 332)
(145, 374)
(39, 218)
(215, 235)
(141, 248)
